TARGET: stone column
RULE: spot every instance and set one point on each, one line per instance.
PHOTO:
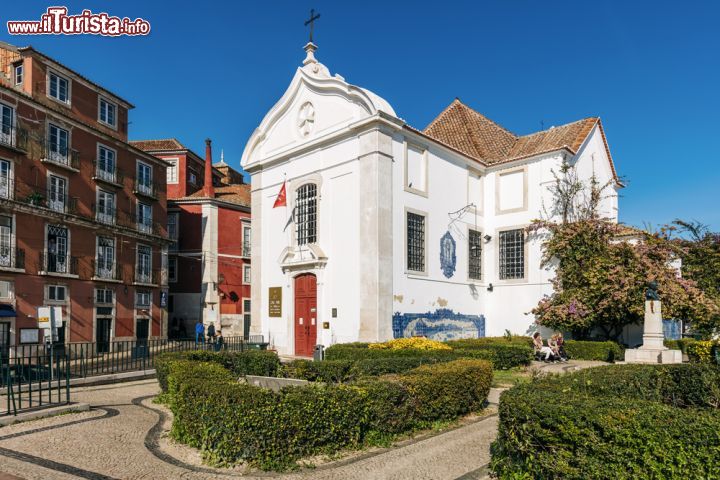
(653, 349)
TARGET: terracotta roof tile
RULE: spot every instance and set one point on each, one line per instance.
(463, 129)
(158, 145)
(239, 194)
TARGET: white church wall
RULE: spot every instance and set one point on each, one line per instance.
(593, 159)
(435, 303)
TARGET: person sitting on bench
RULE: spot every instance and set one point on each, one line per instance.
(540, 348)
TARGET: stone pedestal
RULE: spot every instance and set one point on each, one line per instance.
(653, 350)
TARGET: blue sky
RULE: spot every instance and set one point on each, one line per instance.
(650, 70)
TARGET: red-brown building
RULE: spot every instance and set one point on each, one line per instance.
(209, 219)
(82, 212)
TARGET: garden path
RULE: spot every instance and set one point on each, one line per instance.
(123, 437)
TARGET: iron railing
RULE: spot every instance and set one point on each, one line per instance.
(7, 188)
(149, 278)
(148, 189)
(63, 156)
(35, 380)
(15, 137)
(63, 203)
(11, 257)
(106, 215)
(101, 272)
(111, 175)
(55, 263)
(87, 359)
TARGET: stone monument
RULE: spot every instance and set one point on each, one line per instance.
(653, 349)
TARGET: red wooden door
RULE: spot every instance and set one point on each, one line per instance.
(305, 314)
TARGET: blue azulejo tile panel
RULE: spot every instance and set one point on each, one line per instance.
(442, 324)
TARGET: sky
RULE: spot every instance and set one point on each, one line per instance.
(649, 69)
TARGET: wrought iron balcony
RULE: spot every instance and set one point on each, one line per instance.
(147, 277)
(14, 137)
(112, 175)
(147, 189)
(106, 215)
(11, 257)
(7, 188)
(63, 156)
(60, 203)
(102, 272)
(54, 263)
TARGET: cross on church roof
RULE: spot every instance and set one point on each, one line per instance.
(311, 22)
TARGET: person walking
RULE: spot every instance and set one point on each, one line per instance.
(199, 333)
(219, 341)
(211, 333)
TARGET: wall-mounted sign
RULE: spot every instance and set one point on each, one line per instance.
(275, 302)
(326, 325)
(29, 335)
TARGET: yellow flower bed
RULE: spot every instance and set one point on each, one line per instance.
(701, 351)
(415, 343)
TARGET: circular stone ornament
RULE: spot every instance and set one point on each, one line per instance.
(306, 119)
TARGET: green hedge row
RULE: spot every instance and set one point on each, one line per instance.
(343, 371)
(626, 421)
(500, 352)
(232, 422)
(249, 362)
(592, 350)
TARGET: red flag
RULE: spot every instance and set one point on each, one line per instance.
(281, 200)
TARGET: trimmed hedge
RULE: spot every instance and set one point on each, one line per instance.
(592, 350)
(626, 421)
(232, 422)
(343, 371)
(503, 354)
(248, 362)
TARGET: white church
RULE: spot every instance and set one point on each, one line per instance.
(391, 231)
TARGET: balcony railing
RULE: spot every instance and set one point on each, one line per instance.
(14, 137)
(54, 263)
(105, 215)
(144, 224)
(111, 175)
(102, 271)
(62, 156)
(7, 188)
(11, 257)
(147, 277)
(145, 189)
(60, 203)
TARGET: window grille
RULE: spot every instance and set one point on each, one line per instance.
(415, 242)
(306, 214)
(512, 254)
(474, 255)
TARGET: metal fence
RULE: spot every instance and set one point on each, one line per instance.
(34, 381)
(86, 359)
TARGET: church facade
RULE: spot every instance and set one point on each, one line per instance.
(390, 231)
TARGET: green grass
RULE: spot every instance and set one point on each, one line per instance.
(511, 377)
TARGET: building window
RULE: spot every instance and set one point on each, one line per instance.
(58, 142)
(6, 179)
(7, 120)
(415, 242)
(144, 264)
(172, 269)
(6, 241)
(172, 227)
(246, 238)
(192, 178)
(416, 169)
(246, 314)
(19, 74)
(6, 290)
(108, 112)
(144, 217)
(105, 258)
(58, 248)
(306, 214)
(144, 178)
(56, 293)
(142, 299)
(474, 255)
(512, 254)
(103, 296)
(59, 87)
(105, 212)
(106, 163)
(172, 170)
(57, 193)
(246, 274)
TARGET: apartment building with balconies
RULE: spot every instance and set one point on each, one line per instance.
(83, 213)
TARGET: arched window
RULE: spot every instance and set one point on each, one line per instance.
(306, 214)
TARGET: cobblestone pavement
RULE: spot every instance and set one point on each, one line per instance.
(123, 437)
